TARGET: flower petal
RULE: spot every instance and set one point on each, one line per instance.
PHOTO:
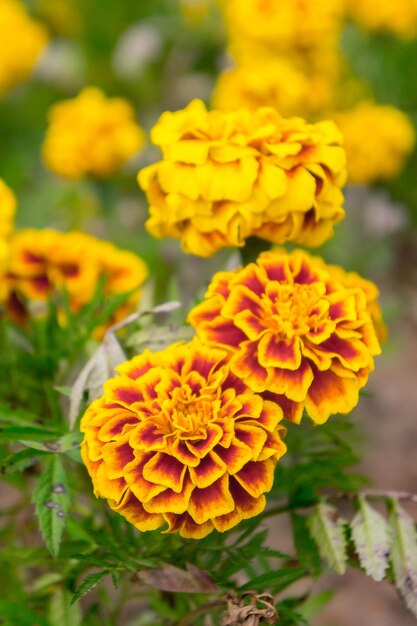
(205, 504)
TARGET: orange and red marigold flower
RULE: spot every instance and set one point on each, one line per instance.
(177, 440)
(297, 331)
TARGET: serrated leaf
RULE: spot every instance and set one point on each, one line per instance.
(371, 540)
(404, 554)
(51, 499)
(61, 611)
(88, 584)
(327, 529)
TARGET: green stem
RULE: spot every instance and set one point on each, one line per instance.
(252, 249)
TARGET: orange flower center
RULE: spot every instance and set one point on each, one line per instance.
(295, 310)
(189, 414)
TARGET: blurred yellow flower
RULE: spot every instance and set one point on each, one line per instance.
(226, 176)
(391, 16)
(178, 441)
(91, 135)
(280, 26)
(22, 39)
(274, 82)
(43, 262)
(7, 210)
(298, 333)
(377, 140)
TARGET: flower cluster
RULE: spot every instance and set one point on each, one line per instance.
(177, 440)
(226, 176)
(22, 39)
(390, 16)
(91, 135)
(43, 262)
(390, 139)
(299, 332)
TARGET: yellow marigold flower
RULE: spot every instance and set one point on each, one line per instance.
(392, 16)
(7, 210)
(45, 261)
(22, 39)
(178, 441)
(294, 332)
(228, 175)
(91, 135)
(378, 139)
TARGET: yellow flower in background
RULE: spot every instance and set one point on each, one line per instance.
(274, 82)
(22, 40)
(43, 262)
(377, 140)
(177, 441)
(296, 331)
(391, 16)
(228, 175)
(91, 135)
(7, 210)
(294, 84)
(279, 26)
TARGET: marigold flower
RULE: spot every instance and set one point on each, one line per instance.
(390, 138)
(228, 175)
(91, 135)
(22, 39)
(391, 16)
(295, 332)
(177, 440)
(43, 262)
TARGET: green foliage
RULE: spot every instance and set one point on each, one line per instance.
(51, 499)
(327, 529)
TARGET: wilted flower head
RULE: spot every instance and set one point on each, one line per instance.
(43, 262)
(228, 175)
(178, 441)
(377, 140)
(298, 332)
(22, 39)
(91, 135)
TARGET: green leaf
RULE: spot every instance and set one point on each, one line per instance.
(51, 499)
(89, 584)
(306, 547)
(21, 460)
(313, 605)
(371, 540)
(61, 611)
(327, 529)
(68, 444)
(276, 580)
(404, 554)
